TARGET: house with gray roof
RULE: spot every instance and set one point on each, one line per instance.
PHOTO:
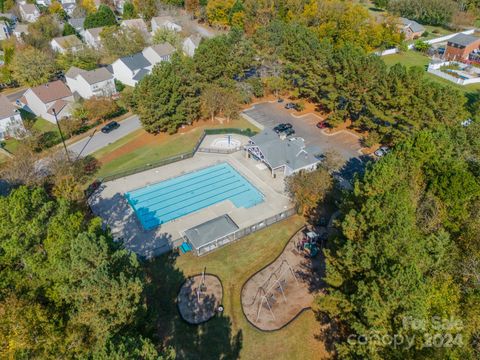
(191, 43)
(131, 69)
(63, 44)
(10, 120)
(411, 29)
(282, 155)
(460, 46)
(92, 37)
(77, 24)
(93, 83)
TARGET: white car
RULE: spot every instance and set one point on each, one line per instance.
(383, 150)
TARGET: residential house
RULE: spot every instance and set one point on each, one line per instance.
(4, 30)
(92, 37)
(131, 69)
(119, 5)
(136, 24)
(45, 3)
(20, 29)
(69, 7)
(10, 120)
(284, 156)
(77, 24)
(29, 12)
(94, 83)
(411, 29)
(157, 53)
(164, 22)
(44, 99)
(191, 43)
(460, 46)
(64, 43)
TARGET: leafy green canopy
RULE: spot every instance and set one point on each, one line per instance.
(66, 289)
(104, 16)
(410, 249)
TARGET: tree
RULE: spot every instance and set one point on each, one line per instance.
(422, 46)
(165, 35)
(85, 58)
(42, 31)
(308, 189)
(129, 11)
(193, 7)
(147, 8)
(433, 12)
(68, 29)
(51, 257)
(118, 41)
(400, 246)
(88, 6)
(168, 98)
(97, 109)
(32, 67)
(212, 100)
(104, 16)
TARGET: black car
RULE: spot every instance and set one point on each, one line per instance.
(288, 132)
(110, 127)
(282, 127)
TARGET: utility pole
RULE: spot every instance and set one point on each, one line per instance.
(61, 135)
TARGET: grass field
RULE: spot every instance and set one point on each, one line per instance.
(140, 148)
(229, 336)
(414, 58)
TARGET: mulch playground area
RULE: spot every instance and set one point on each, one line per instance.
(199, 298)
(278, 293)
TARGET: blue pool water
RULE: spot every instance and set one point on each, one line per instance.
(170, 199)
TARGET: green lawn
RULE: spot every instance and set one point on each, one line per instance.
(167, 146)
(229, 336)
(414, 58)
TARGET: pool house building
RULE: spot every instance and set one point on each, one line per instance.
(282, 155)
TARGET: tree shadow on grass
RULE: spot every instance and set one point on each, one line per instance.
(211, 340)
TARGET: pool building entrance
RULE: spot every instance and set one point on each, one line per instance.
(171, 199)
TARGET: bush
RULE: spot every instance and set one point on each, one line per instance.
(101, 109)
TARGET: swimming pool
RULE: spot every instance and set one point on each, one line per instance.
(171, 199)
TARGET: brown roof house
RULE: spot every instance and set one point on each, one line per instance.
(44, 99)
(411, 29)
(10, 120)
(64, 43)
(460, 46)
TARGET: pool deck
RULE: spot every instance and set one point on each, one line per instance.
(109, 203)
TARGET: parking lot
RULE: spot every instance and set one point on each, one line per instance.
(270, 114)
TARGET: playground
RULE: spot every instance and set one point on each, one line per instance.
(275, 295)
(199, 298)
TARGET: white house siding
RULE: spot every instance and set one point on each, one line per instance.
(122, 73)
(86, 91)
(189, 47)
(4, 31)
(41, 109)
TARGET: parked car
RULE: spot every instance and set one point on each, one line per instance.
(290, 105)
(382, 151)
(282, 127)
(288, 132)
(110, 127)
(280, 100)
(322, 124)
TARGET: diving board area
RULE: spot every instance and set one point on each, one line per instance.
(171, 199)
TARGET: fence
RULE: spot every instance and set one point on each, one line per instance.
(240, 233)
(434, 68)
(179, 157)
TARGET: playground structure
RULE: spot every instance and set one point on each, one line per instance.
(309, 244)
(276, 294)
(226, 142)
(199, 298)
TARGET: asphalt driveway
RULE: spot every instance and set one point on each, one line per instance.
(90, 144)
(271, 114)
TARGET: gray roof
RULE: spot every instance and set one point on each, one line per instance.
(163, 49)
(287, 152)
(77, 23)
(136, 61)
(463, 39)
(92, 76)
(6, 108)
(95, 32)
(210, 231)
(141, 74)
(416, 27)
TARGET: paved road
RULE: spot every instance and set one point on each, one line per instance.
(99, 140)
(271, 114)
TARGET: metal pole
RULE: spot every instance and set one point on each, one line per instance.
(61, 135)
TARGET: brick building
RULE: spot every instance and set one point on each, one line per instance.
(460, 46)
